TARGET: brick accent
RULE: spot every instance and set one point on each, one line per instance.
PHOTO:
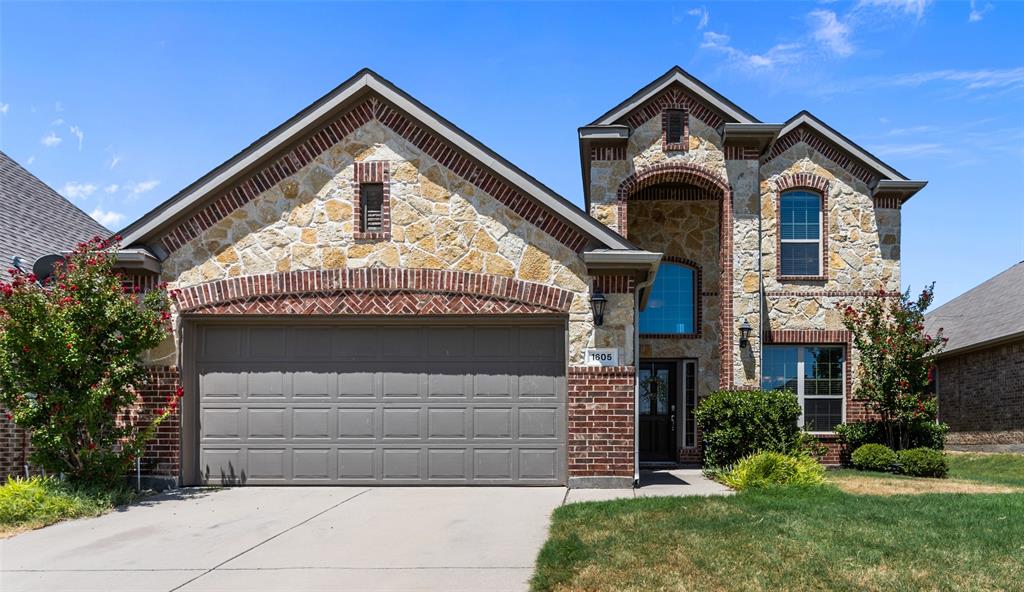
(608, 152)
(614, 284)
(807, 135)
(14, 447)
(742, 153)
(601, 421)
(675, 173)
(673, 193)
(981, 394)
(378, 171)
(372, 291)
(684, 143)
(319, 140)
(698, 302)
(832, 293)
(888, 200)
(816, 184)
(673, 97)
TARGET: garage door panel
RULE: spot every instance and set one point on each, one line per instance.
(445, 404)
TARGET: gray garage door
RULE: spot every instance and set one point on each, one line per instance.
(361, 404)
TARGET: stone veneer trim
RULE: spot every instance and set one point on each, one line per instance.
(815, 184)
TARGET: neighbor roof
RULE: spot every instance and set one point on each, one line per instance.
(354, 89)
(989, 313)
(35, 220)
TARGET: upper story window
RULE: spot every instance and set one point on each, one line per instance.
(815, 374)
(371, 204)
(800, 234)
(671, 307)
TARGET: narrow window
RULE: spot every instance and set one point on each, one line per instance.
(815, 374)
(371, 203)
(800, 234)
(675, 127)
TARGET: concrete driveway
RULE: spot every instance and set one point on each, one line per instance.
(310, 538)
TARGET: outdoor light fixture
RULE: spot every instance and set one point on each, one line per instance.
(745, 330)
(597, 303)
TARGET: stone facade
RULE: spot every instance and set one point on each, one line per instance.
(981, 395)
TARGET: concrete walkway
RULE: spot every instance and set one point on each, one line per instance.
(655, 483)
(256, 539)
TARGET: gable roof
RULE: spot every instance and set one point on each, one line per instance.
(357, 88)
(35, 220)
(676, 75)
(991, 312)
(842, 142)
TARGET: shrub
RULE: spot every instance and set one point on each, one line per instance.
(873, 457)
(39, 501)
(922, 462)
(70, 363)
(765, 469)
(921, 434)
(736, 424)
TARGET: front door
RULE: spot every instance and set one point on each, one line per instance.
(657, 407)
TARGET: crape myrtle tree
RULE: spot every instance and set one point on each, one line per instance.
(70, 363)
(896, 358)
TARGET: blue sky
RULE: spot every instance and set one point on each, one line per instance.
(120, 105)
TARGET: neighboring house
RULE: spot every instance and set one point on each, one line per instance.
(35, 220)
(367, 294)
(979, 376)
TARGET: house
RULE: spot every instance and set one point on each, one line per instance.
(367, 294)
(979, 375)
(35, 220)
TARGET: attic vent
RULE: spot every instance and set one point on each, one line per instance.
(675, 126)
(371, 197)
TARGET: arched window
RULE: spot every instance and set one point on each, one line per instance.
(671, 307)
(800, 233)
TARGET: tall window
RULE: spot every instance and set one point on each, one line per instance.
(672, 303)
(815, 374)
(371, 197)
(800, 233)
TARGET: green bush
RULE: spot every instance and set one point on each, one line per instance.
(765, 469)
(922, 462)
(736, 424)
(873, 457)
(39, 501)
(920, 434)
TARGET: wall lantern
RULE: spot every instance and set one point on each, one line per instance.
(745, 330)
(597, 304)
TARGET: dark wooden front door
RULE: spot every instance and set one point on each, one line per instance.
(657, 404)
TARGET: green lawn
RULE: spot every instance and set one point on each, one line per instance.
(33, 503)
(796, 539)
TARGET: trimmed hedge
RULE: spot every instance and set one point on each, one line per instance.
(873, 457)
(922, 462)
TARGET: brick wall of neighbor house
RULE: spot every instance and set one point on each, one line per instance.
(601, 421)
(286, 243)
(981, 395)
(862, 242)
(14, 447)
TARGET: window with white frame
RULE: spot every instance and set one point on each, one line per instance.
(815, 373)
(800, 233)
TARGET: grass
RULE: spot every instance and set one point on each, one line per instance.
(26, 504)
(792, 538)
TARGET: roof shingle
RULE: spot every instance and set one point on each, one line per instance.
(988, 312)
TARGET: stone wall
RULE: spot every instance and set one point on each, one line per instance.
(438, 220)
(981, 395)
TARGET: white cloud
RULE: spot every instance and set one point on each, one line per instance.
(976, 13)
(778, 55)
(51, 140)
(143, 186)
(77, 132)
(831, 32)
(970, 79)
(912, 7)
(112, 188)
(917, 129)
(922, 149)
(4, 107)
(76, 190)
(702, 13)
(31, 159)
(106, 218)
(56, 122)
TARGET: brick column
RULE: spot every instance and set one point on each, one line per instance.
(601, 426)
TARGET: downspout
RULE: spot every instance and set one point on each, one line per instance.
(636, 382)
(760, 281)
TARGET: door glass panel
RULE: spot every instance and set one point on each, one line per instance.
(689, 402)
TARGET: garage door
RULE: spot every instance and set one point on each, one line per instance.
(362, 404)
